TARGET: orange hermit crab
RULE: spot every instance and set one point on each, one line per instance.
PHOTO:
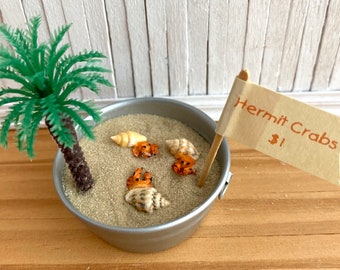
(142, 194)
(145, 149)
(184, 164)
(137, 181)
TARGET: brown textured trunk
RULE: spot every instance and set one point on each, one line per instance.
(74, 157)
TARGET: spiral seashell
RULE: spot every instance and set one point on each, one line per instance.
(182, 146)
(146, 199)
(128, 138)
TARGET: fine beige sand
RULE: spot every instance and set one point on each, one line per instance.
(111, 165)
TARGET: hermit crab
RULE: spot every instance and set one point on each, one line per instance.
(136, 180)
(182, 146)
(145, 149)
(185, 154)
(184, 165)
(142, 194)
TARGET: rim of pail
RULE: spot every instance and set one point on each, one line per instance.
(59, 164)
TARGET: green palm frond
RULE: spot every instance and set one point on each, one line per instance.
(24, 127)
(58, 36)
(39, 57)
(90, 81)
(29, 110)
(9, 60)
(51, 66)
(68, 77)
(54, 41)
(84, 128)
(33, 26)
(14, 91)
(22, 44)
(35, 121)
(26, 138)
(17, 77)
(18, 40)
(11, 117)
(79, 81)
(23, 115)
(65, 137)
(51, 110)
(47, 77)
(70, 61)
(85, 106)
(9, 100)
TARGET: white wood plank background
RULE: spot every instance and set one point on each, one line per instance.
(120, 44)
(310, 44)
(236, 34)
(275, 39)
(218, 23)
(137, 28)
(329, 49)
(193, 49)
(177, 35)
(156, 17)
(198, 14)
(292, 44)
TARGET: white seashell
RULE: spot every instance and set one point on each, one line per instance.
(146, 199)
(184, 146)
(128, 138)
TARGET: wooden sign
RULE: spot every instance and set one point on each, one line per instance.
(284, 128)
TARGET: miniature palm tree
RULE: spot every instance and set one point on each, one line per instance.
(47, 77)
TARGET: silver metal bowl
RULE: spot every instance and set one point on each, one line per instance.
(159, 237)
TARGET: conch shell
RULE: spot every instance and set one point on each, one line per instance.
(182, 146)
(146, 199)
(142, 194)
(128, 138)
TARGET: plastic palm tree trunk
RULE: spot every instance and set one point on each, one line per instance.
(74, 158)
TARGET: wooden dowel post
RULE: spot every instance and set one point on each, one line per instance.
(221, 127)
(210, 159)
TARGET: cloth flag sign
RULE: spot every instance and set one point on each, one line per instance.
(284, 128)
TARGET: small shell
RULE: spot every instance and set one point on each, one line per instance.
(183, 146)
(146, 199)
(128, 138)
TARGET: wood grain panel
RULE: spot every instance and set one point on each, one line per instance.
(157, 30)
(120, 44)
(257, 24)
(328, 51)
(275, 37)
(273, 216)
(310, 44)
(99, 38)
(292, 44)
(177, 38)
(218, 18)
(198, 14)
(176, 48)
(137, 27)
